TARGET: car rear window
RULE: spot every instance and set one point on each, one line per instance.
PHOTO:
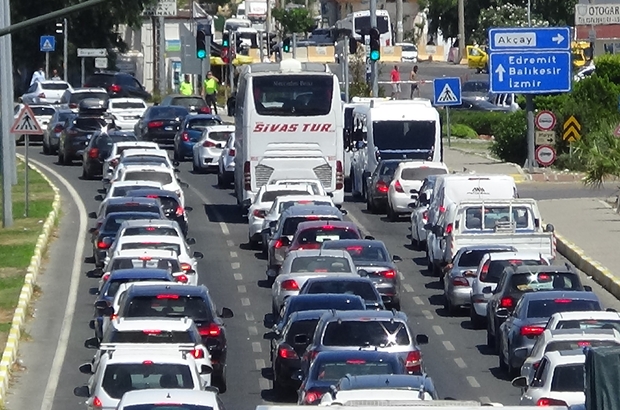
(115, 285)
(546, 308)
(219, 135)
(172, 265)
(127, 105)
(368, 253)
(188, 102)
(589, 324)
(162, 246)
(320, 235)
(132, 207)
(77, 97)
(113, 222)
(418, 174)
(286, 205)
(301, 305)
(531, 282)
(168, 305)
(270, 196)
(496, 216)
(168, 113)
(119, 150)
(149, 336)
(100, 80)
(366, 333)
(363, 289)
(89, 124)
(569, 378)
(320, 264)
(496, 268)
(123, 377)
(473, 258)
(163, 178)
(54, 86)
(145, 159)
(123, 190)
(202, 123)
(301, 327)
(336, 371)
(40, 111)
(150, 230)
(290, 224)
(562, 345)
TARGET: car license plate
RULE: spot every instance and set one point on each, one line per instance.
(168, 128)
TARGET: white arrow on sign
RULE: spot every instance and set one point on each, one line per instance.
(558, 38)
(500, 70)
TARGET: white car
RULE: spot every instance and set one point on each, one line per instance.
(123, 370)
(176, 244)
(262, 203)
(71, 97)
(42, 113)
(170, 398)
(397, 388)
(45, 92)
(121, 188)
(162, 174)
(419, 214)
(559, 380)
(299, 266)
(126, 111)
(208, 149)
(226, 164)
(584, 320)
(409, 176)
(110, 163)
(142, 258)
(317, 186)
(409, 52)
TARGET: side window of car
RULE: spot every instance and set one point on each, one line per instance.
(135, 83)
(32, 88)
(538, 379)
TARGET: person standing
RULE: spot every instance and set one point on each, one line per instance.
(415, 88)
(395, 78)
(38, 76)
(186, 88)
(55, 75)
(210, 91)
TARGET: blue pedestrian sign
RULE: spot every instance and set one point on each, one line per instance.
(529, 38)
(47, 44)
(447, 91)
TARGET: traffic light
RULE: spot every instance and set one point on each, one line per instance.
(226, 39)
(375, 45)
(225, 47)
(201, 44)
(352, 45)
(272, 41)
(286, 45)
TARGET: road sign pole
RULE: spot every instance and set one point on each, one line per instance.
(345, 77)
(373, 64)
(83, 71)
(531, 145)
(26, 145)
(47, 65)
(448, 130)
(65, 51)
(6, 102)
(162, 56)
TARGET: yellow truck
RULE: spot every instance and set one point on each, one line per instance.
(478, 58)
(582, 53)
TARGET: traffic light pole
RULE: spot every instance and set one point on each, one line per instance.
(294, 45)
(373, 64)
(345, 77)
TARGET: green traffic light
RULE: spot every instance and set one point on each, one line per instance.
(286, 49)
(375, 55)
(201, 53)
(225, 43)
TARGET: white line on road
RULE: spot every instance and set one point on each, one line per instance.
(438, 330)
(233, 254)
(448, 345)
(249, 316)
(216, 214)
(238, 276)
(241, 289)
(401, 276)
(76, 273)
(245, 302)
(408, 287)
(235, 265)
(256, 347)
(484, 399)
(417, 300)
(472, 381)
(427, 314)
(260, 364)
(264, 384)
(230, 243)
(224, 228)
(460, 362)
(252, 330)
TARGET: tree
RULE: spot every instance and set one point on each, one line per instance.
(294, 20)
(506, 15)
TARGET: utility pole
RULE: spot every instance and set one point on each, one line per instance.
(529, 107)
(461, 30)
(161, 54)
(294, 51)
(373, 64)
(345, 77)
(65, 51)
(399, 21)
(155, 57)
(6, 102)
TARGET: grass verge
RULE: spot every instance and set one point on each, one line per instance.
(17, 242)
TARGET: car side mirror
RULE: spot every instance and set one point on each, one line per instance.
(549, 228)
(101, 304)
(188, 209)
(412, 205)
(502, 313)
(86, 368)
(301, 339)
(220, 146)
(359, 145)
(587, 288)
(175, 163)
(344, 212)
(610, 310)
(273, 224)
(330, 194)
(226, 313)
(176, 170)
(92, 215)
(198, 255)
(369, 238)
(92, 230)
(271, 335)
(396, 258)
(92, 343)
(487, 289)
(363, 273)
(205, 369)
(81, 391)
(191, 241)
(98, 197)
(266, 231)
(91, 324)
(520, 382)
(428, 227)
(414, 191)
(421, 339)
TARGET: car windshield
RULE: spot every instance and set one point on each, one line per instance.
(475, 87)
(42, 111)
(77, 97)
(162, 177)
(148, 336)
(338, 370)
(388, 168)
(113, 222)
(145, 159)
(188, 102)
(286, 205)
(119, 378)
(290, 224)
(379, 333)
(127, 105)
(54, 86)
(151, 230)
(408, 47)
(114, 285)
(293, 95)
(172, 265)
(583, 324)
(418, 174)
(496, 217)
(296, 304)
(270, 196)
(562, 345)
(363, 289)
(219, 135)
(330, 233)
(119, 150)
(176, 248)
(569, 378)
(123, 190)
(320, 264)
(546, 308)
(300, 327)
(167, 113)
(496, 268)
(405, 135)
(368, 253)
(169, 305)
(532, 282)
(200, 124)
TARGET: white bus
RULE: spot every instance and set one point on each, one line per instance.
(407, 129)
(359, 23)
(288, 124)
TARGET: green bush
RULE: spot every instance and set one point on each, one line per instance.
(483, 123)
(510, 143)
(460, 131)
(608, 66)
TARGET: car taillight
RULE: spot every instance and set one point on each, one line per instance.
(167, 296)
(442, 208)
(312, 397)
(530, 331)
(208, 144)
(182, 278)
(114, 316)
(58, 129)
(278, 244)
(42, 95)
(289, 284)
(506, 302)
(212, 330)
(231, 152)
(287, 352)
(198, 353)
(103, 244)
(414, 361)
(247, 176)
(180, 210)
(105, 276)
(155, 124)
(307, 246)
(185, 266)
(398, 187)
(382, 187)
(425, 216)
(97, 404)
(460, 281)
(93, 153)
(185, 136)
(114, 88)
(484, 270)
(73, 105)
(339, 175)
(259, 213)
(205, 110)
(550, 402)
(448, 229)
(562, 300)
(390, 273)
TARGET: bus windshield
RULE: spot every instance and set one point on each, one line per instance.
(295, 95)
(362, 24)
(404, 135)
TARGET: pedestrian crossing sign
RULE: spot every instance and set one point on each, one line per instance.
(447, 91)
(26, 123)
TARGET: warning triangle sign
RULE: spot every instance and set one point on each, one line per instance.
(26, 123)
(447, 95)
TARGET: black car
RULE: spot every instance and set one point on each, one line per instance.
(177, 300)
(170, 203)
(118, 84)
(99, 148)
(103, 237)
(289, 345)
(127, 204)
(160, 123)
(51, 135)
(362, 287)
(478, 104)
(78, 130)
(515, 282)
(300, 303)
(193, 103)
(329, 367)
(378, 183)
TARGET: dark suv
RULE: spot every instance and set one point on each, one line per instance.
(118, 85)
(78, 130)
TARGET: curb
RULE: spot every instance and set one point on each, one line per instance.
(19, 318)
(520, 176)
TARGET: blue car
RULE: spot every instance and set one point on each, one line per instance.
(190, 132)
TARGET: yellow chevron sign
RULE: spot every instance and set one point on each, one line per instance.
(572, 130)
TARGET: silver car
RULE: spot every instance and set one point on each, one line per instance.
(45, 92)
(208, 149)
(226, 164)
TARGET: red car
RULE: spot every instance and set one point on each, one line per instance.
(312, 234)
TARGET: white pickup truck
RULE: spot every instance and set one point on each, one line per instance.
(513, 222)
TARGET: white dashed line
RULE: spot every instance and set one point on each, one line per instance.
(472, 381)
(460, 363)
(256, 348)
(252, 330)
(230, 243)
(241, 289)
(448, 345)
(427, 314)
(238, 276)
(235, 265)
(417, 300)
(438, 330)
(401, 276)
(245, 302)
(260, 364)
(224, 228)
(484, 399)
(264, 384)
(408, 287)
(233, 254)
(249, 316)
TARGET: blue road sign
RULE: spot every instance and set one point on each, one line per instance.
(447, 91)
(530, 72)
(529, 38)
(47, 44)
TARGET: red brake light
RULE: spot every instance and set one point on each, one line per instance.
(356, 361)
(152, 196)
(114, 88)
(185, 136)
(398, 187)
(208, 144)
(259, 213)
(180, 210)
(58, 128)
(212, 330)
(460, 281)
(327, 227)
(289, 284)
(413, 361)
(147, 362)
(247, 176)
(311, 397)
(382, 187)
(562, 300)
(198, 353)
(105, 277)
(278, 244)
(448, 229)
(97, 402)
(182, 278)
(442, 208)
(550, 402)
(185, 266)
(390, 273)
(543, 277)
(339, 175)
(103, 245)
(93, 153)
(167, 296)
(532, 331)
(145, 258)
(485, 270)
(515, 262)
(151, 332)
(425, 216)
(506, 302)
(584, 344)
(231, 152)
(356, 249)
(155, 124)
(287, 352)
(205, 110)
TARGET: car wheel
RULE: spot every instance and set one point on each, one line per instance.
(395, 303)
(391, 215)
(502, 363)
(220, 181)
(477, 322)
(415, 245)
(85, 174)
(61, 159)
(195, 167)
(46, 148)
(176, 156)
(448, 305)
(491, 344)
(220, 380)
(253, 243)
(369, 205)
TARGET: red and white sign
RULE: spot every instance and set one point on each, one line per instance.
(545, 155)
(617, 131)
(26, 123)
(545, 120)
(262, 127)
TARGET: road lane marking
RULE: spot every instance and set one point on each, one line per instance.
(460, 362)
(417, 300)
(233, 254)
(264, 384)
(76, 274)
(256, 347)
(249, 316)
(427, 314)
(224, 228)
(472, 381)
(252, 330)
(245, 302)
(216, 214)
(438, 330)
(241, 289)
(235, 265)
(448, 345)
(401, 276)
(408, 288)
(230, 243)
(484, 399)
(238, 276)
(260, 364)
